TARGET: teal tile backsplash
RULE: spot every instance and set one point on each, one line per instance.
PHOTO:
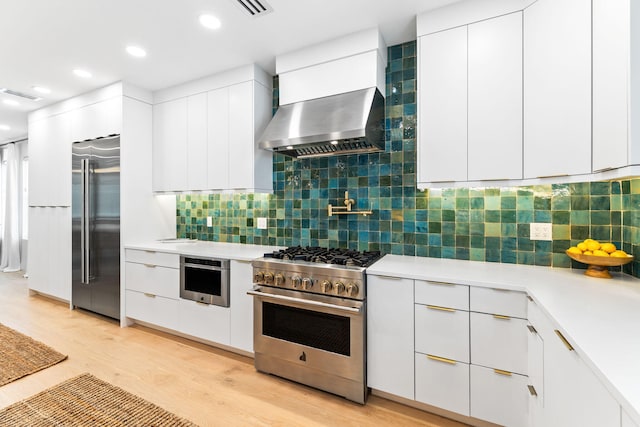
(480, 224)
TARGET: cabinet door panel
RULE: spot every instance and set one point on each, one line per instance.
(152, 309)
(241, 143)
(209, 322)
(38, 163)
(499, 343)
(218, 138)
(170, 145)
(442, 384)
(100, 119)
(498, 398)
(495, 98)
(442, 106)
(498, 301)
(390, 325)
(442, 294)
(442, 332)
(197, 142)
(241, 306)
(557, 88)
(151, 279)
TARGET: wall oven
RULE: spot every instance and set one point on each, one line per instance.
(310, 323)
(204, 280)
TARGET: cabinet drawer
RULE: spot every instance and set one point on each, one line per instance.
(209, 322)
(442, 383)
(442, 294)
(497, 301)
(151, 279)
(155, 310)
(163, 259)
(498, 342)
(442, 331)
(499, 398)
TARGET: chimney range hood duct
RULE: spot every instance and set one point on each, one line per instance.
(346, 123)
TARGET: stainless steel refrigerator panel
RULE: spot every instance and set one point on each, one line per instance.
(96, 226)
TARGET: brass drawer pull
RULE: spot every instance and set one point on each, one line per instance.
(499, 316)
(149, 295)
(501, 372)
(532, 329)
(532, 390)
(437, 307)
(441, 283)
(149, 251)
(150, 265)
(564, 340)
(441, 359)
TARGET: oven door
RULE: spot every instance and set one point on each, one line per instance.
(321, 333)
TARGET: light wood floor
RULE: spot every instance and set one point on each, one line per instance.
(206, 385)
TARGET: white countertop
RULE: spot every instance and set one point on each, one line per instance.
(235, 251)
(600, 316)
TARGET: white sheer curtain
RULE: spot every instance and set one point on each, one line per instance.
(10, 253)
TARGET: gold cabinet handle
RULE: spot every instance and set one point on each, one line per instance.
(529, 298)
(501, 372)
(149, 295)
(564, 340)
(149, 251)
(201, 303)
(437, 307)
(441, 359)
(532, 329)
(441, 283)
(150, 265)
(499, 316)
(532, 390)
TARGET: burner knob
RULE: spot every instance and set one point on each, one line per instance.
(326, 286)
(258, 277)
(339, 288)
(295, 281)
(279, 280)
(268, 278)
(307, 283)
(352, 289)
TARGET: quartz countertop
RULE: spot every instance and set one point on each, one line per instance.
(601, 317)
(235, 251)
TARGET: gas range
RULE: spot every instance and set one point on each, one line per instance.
(326, 271)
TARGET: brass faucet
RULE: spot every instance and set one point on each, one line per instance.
(346, 209)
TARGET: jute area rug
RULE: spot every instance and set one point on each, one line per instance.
(21, 355)
(87, 401)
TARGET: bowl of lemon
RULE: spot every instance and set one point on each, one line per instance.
(599, 257)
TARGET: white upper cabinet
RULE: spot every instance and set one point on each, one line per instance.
(170, 145)
(557, 88)
(205, 134)
(615, 82)
(495, 99)
(442, 106)
(470, 102)
(100, 119)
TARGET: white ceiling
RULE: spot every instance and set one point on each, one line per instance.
(42, 41)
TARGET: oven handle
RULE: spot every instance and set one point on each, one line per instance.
(306, 302)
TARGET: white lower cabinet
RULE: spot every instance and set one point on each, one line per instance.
(153, 279)
(499, 342)
(390, 348)
(152, 309)
(626, 420)
(442, 331)
(241, 306)
(443, 383)
(206, 321)
(498, 396)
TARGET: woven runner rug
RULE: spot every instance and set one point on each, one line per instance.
(21, 355)
(87, 401)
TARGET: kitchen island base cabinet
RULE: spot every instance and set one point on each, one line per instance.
(443, 383)
(390, 326)
(499, 397)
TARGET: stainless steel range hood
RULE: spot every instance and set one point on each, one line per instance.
(351, 122)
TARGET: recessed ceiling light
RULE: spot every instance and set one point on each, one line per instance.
(41, 89)
(5, 127)
(136, 51)
(210, 21)
(10, 102)
(82, 73)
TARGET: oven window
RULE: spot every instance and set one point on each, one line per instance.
(311, 328)
(203, 281)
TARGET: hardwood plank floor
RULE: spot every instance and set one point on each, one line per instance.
(206, 385)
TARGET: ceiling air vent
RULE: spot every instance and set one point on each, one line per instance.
(20, 94)
(254, 8)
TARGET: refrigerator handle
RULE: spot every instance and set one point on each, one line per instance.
(84, 224)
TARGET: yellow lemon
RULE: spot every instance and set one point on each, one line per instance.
(598, 252)
(593, 245)
(574, 250)
(619, 254)
(608, 247)
(588, 240)
(587, 253)
(582, 246)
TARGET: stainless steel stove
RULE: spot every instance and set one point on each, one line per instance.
(310, 317)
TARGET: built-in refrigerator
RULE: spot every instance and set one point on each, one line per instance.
(95, 211)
